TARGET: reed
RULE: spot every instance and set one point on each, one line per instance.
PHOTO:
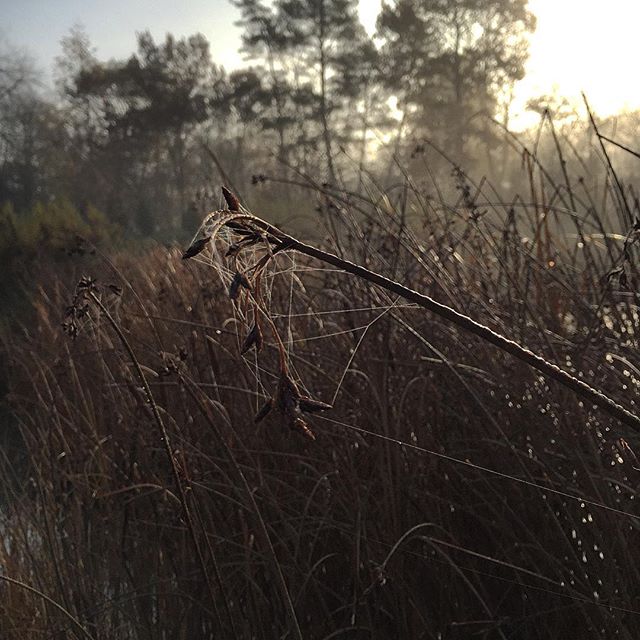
(275, 438)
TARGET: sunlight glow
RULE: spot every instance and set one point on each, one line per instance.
(369, 10)
(582, 45)
(579, 45)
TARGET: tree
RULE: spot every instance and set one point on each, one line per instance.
(358, 80)
(318, 31)
(150, 106)
(449, 60)
(264, 38)
(319, 65)
(31, 132)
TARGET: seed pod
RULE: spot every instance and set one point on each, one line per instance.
(264, 411)
(309, 405)
(249, 240)
(239, 280)
(300, 425)
(232, 200)
(195, 248)
(254, 338)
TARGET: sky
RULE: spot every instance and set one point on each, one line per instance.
(579, 45)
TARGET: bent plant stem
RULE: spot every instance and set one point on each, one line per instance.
(167, 444)
(550, 370)
(76, 623)
(545, 367)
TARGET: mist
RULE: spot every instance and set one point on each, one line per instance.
(318, 319)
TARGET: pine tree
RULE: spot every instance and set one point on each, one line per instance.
(448, 61)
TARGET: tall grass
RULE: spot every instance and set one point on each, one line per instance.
(451, 492)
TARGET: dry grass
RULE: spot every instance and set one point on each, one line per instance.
(451, 492)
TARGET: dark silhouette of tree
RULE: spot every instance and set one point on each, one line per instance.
(449, 60)
(317, 31)
(149, 108)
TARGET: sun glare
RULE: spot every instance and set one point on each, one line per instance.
(369, 10)
(582, 45)
(579, 45)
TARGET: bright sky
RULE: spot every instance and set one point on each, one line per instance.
(38, 25)
(584, 45)
(579, 45)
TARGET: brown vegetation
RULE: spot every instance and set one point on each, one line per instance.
(450, 491)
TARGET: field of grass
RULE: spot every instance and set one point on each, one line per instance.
(452, 490)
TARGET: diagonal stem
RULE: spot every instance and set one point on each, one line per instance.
(548, 369)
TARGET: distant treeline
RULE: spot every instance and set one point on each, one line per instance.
(144, 139)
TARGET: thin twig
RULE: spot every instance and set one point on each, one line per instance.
(46, 598)
(167, 445)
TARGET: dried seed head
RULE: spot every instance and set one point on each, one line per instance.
(300, 425)
(86, 284)
(309, 405)
(70, 328)
(239, 280)
(248, 241)
(291, 404)
(287, 395)
(232, 200)
(254, 338)
(196, 247)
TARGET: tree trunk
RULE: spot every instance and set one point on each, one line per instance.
(323, 96)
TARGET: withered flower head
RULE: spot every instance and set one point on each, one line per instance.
(291, 404)
(79, 307)
(239, 280)
(196, 247)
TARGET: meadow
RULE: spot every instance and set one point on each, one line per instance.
(257, 442)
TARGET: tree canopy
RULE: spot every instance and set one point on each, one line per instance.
(142, 134)
(449, 61)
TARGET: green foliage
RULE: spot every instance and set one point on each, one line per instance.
(51, 226)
